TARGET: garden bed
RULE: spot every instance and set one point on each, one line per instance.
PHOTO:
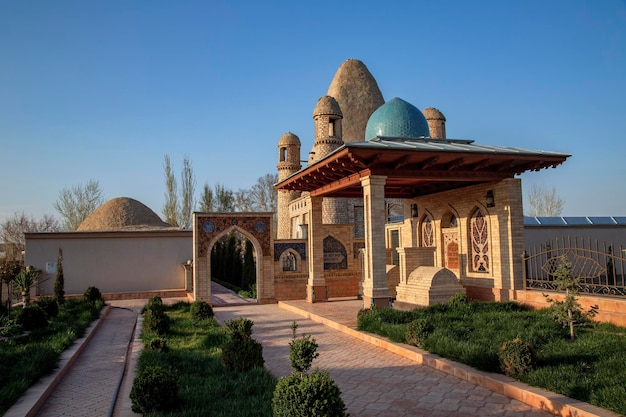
(590, 369)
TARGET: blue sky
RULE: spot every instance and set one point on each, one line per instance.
(103, 90)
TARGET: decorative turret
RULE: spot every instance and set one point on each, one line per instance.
(327, 116)
(288, 164)
(436, 123)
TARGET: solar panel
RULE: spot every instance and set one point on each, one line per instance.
(620, 220)
(601, 220)
(553, 221)
(530, 221)
(576, 220)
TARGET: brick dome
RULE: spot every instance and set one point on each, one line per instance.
(327, 105)
(122, 213)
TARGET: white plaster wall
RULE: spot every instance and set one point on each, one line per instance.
(112, 261)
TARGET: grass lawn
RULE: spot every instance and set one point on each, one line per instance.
(590, 369)
(206, 388)
(24, 360)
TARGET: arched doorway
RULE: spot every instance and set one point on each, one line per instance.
(209, 228)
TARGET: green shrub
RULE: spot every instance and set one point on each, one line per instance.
(242, 354)
(155, 389)
(156, 321)
(49, 305)
(154, 303)
(302, 350)
(92, 295)
(158, 344)
(201, 310)
(32, 317)
(312, 394)
(458, 299)
(239, 328)
(417, 331)
(10, 327)
(517, 357)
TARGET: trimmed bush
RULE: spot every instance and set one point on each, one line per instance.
(92, 295)
(49, 305)
(417, 331)
(154, 303)
(517, 357)
(156, 321)
(312, 394)
(155, 389)
(458, 299)
(241, 355)
(158, 344)
(239, 328)
(32, 317)
(201, 310)
(302, 351)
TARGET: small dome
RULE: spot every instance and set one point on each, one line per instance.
(289, 139)
(122, 213)
(397, 119)
(432, 113)
(327, 105)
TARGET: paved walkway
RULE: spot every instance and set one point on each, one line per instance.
(373, 381)
(87, 388)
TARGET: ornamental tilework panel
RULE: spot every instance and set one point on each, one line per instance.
(209, 227)
(335, 256)
(279, 248)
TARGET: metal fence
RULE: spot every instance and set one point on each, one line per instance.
(599, 266)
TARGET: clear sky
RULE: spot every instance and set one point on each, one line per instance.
(103, 90)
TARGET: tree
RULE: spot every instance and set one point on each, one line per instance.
(12, 232)
(188, 189)
(170, 209)
(75, 204)
(218, 199)
(59, 282)
(263, 194)
(543, 202)
(568, 311)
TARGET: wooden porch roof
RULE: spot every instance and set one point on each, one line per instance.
(415, 167)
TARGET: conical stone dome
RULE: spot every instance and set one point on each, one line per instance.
(122, 213)
(358, 95)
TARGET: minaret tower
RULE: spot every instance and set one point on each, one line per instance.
(436, 123)
(327, 116)
(328, 137)
(288, 164)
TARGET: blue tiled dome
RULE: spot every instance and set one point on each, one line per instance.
(397, 119)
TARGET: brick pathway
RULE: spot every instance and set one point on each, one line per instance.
(373, 381)
(88, 387)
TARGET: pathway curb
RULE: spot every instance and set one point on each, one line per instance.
(553, 403)
(31, 401)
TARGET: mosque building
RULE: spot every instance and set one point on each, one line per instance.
(389, 207)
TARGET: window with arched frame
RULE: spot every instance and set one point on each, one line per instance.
(290, 262)
(479, 244)
(427, 232)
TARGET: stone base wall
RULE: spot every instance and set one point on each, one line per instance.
(293, 286)
(610, 310)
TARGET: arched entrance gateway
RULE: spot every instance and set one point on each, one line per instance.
(208, 228)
